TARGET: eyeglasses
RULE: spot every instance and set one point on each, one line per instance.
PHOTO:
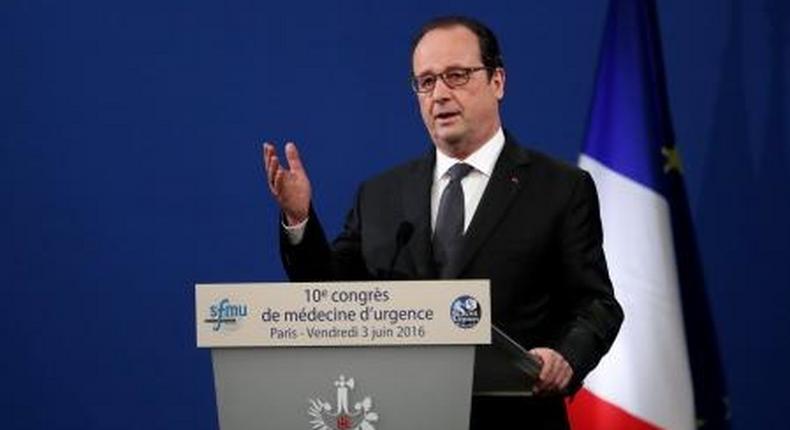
(453, 77)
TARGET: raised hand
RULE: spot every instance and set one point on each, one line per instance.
(291, 186)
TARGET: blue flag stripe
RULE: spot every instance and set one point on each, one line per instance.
(627, 128)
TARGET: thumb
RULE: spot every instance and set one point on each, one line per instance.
(539, 355)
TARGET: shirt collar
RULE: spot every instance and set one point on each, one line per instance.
(482, 160)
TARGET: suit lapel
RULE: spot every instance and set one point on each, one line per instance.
(416, 195)
(500, 193)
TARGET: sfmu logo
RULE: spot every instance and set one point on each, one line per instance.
(225, 313)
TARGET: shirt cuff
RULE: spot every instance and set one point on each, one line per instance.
(295, 233)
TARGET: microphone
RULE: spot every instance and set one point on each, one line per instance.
(402, 237)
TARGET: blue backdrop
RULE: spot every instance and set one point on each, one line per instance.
(130, 169)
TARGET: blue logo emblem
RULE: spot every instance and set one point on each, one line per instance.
(225, 313)
(465, 312)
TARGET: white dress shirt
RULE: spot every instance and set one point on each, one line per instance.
(474, 183)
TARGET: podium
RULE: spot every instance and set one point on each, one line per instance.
(345, 355)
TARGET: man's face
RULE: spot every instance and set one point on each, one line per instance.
(459, 119)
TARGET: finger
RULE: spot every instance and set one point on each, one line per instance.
(292, 155)
(562, 376)
(555, 369)
(539, 358)
(265, 157)
(274, 171)
(556, 380)
(268, 152)
(559, 379)
(540, 383)
(277, 181)
(566, 379)
(271, 162)
(546, 368)
(549, 373)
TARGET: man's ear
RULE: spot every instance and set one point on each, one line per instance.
(498, 81)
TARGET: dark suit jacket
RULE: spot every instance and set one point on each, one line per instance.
(536, 235)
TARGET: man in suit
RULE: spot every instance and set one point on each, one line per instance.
(478, 205)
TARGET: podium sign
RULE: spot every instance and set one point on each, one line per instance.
(343, 355)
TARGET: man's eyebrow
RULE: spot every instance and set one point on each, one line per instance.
(450, 67)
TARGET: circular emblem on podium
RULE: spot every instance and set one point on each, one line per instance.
(465, 312)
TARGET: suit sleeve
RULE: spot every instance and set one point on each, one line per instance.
(593, 315)
(314, 260)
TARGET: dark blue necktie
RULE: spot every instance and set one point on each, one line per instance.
(450, 220)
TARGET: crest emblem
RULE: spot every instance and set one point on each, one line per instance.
(465, 312)
(325, 416)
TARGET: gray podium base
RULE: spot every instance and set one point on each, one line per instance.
(411, 387)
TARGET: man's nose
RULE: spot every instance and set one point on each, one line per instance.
(441, 91)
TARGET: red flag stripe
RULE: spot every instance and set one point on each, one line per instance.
(586, 411)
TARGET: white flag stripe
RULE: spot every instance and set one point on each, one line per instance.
(647, 371)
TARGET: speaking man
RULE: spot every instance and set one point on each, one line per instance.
(478, 205)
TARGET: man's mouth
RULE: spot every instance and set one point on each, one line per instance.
(443, 116)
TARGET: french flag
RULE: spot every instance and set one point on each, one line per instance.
(663, 370)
